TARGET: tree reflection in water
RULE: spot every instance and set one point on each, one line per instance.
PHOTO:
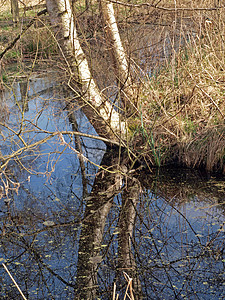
(165, 232)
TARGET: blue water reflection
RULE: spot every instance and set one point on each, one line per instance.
(178, 239)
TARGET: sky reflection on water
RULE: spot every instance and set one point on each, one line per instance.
(178, 234)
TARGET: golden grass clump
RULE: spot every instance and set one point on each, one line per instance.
(183, 106)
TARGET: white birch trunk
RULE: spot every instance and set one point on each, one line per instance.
(99, 111)
(118, 53)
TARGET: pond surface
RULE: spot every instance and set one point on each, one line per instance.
(164, 230)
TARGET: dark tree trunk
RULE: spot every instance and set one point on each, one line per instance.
(15, 11)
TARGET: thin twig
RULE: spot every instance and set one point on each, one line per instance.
(21, 293)
(114, 291)
(211, 99)
(12, 43)
(167, 8)
(129, 287)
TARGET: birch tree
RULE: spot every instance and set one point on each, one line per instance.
(116, 48)
(118, 55)
(100, 112)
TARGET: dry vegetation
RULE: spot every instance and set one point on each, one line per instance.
(181, 108)
(179, 66)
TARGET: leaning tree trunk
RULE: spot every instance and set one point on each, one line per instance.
(98, 110)
(115, 45)
(118, 54)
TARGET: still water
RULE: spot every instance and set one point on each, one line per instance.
(163, 231)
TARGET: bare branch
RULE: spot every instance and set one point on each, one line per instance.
(25, 28)
(167, 8)
(21, 293)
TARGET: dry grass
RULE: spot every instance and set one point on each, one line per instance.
(182, 105)
(129, 290)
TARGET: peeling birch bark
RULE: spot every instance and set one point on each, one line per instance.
(100, 112)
